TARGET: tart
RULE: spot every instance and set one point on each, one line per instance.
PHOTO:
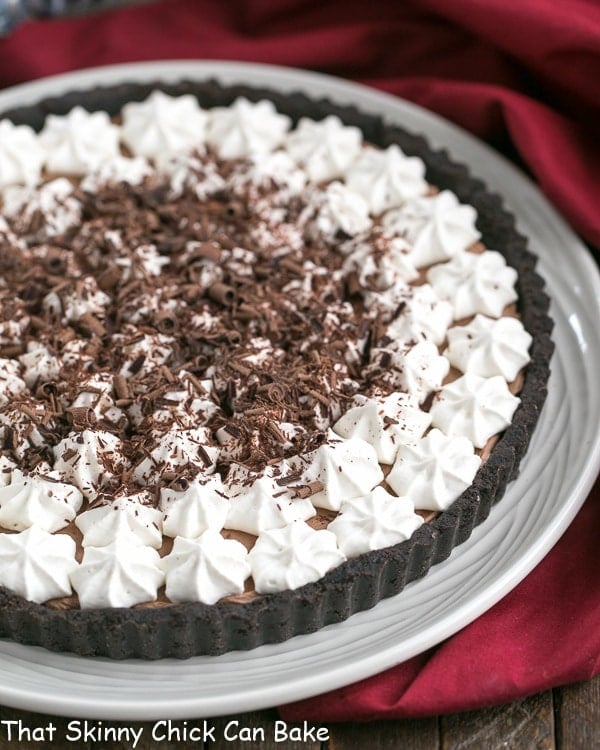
(264, 361)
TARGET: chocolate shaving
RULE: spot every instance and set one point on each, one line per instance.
(90, 324)
(320, 397)
(222, 293)
(239, 367)
(81, 417)
(46, 390)
(179, 484)
(206, 251)
(121, 387)
(166, 323)
(353, 287)
(204, 456)
(109, 279)
(284, 481)
(137, 364)
(302, 491)
(291, 265)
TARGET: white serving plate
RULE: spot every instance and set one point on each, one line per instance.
(556, 475)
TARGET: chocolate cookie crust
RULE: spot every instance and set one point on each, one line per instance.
(184, 630)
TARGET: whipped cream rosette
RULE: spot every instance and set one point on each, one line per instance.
(21, 155)
(37, 564)
(163, 126)
(78, 142)
(41, 501)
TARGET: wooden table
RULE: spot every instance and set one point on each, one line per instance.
(566, 718)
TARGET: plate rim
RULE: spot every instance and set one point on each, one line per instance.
(302, 687)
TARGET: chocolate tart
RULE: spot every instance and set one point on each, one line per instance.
(185, 630)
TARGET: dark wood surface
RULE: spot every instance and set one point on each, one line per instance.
(566, 718)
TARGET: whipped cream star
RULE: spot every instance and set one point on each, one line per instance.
(36, 500)
(325, 148)
(373, 522)
(434, 470)
(386, 178)
(120, 574)
(489, 347)
(79, 141)
(21, 155)
(474, 407)
(37, 565)
(437, 227)
(290, 557)
(384, 422)
(246, 129)
(163, 126)
(475, 283)
(205, 569)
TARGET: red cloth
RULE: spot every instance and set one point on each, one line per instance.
(546, 632)
(525, 77)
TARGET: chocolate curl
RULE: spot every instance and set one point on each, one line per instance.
(239, 367)
(232, 336)
(102, 498)
(232, 430)
(81, 417)
(302, 491)
(191, 378)
(132, 288)
(137, 364)
(353, 287)
(191, 293)
(276, 392)
(205, 251)
(46, 390)
(318, 396)
(38, 324)
(257, 411)
(224, 241)
(377, 331)
(32, 292)
(284, 481)
(178, 483)
(166, 323)
(146, 406)
(10, 438)
(167, 374)
(262, 271)
(108, 280)
(30, 412)
(247, 313)
(14, 350)
(121, 387)
(123, 403)
(169, 245)
(291, 265)
(388, 421)
(222, 293)
(204, 457)
(54, 262)
(91, 324)
(399, 310)
(65, 335)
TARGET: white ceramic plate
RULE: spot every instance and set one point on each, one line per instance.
(556, 475)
